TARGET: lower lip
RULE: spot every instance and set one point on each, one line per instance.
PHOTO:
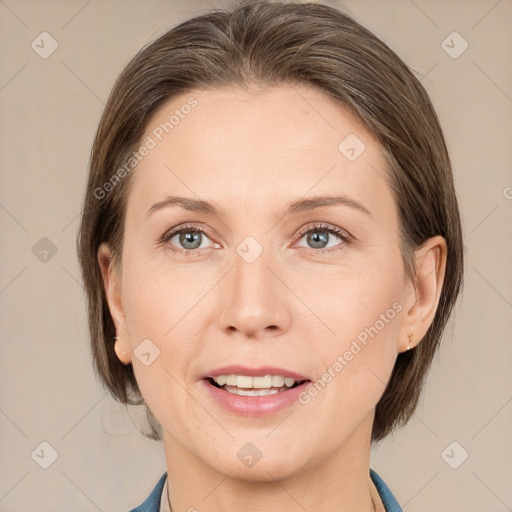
(254, 405)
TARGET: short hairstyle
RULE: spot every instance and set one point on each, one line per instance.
(263, 44)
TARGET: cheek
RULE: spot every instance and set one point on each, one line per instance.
(361, 315)
(153, 294)
(163, 305)
(350, 300)
(156, 309)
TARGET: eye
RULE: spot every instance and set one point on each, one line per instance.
(190, 239)
(186, 239)
(320, 235)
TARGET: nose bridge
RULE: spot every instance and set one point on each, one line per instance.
(254, 302)
(251, 275)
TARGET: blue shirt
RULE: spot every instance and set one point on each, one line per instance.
(152, 503)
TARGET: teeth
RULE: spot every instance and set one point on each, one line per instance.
(230, 380)
(243, 382)
(251, 392)
(260, 382)
(289, 382)
(277, 381)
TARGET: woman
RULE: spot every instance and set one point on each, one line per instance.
(271, 248)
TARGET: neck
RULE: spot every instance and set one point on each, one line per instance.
(339, 482)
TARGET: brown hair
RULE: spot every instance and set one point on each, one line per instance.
(263, 43)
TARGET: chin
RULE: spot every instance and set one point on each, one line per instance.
(251, 464)
(264, 472)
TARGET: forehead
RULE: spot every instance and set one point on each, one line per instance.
(238, 147)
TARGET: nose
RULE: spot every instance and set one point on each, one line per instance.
(254, 301)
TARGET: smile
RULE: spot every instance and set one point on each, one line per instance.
(246, 385)
(253, 390)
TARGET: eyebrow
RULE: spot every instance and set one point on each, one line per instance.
(301, 205)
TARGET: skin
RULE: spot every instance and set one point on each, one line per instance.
(297, 306)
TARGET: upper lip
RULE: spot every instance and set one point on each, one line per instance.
(254, 372)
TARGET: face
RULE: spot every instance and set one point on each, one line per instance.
(261, 279)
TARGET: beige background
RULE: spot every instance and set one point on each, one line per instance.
(49, 110)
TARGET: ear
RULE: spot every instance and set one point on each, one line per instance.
(113, 292)
(423, 298)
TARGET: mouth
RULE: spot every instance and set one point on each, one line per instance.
(254, 391)
(245, 385)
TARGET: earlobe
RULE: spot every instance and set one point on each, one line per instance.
(428, 282)
(411, 342)
(123, 351)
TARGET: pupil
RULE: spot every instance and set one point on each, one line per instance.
(317, 238)
(190, 237)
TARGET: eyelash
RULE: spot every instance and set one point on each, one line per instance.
(319, 226)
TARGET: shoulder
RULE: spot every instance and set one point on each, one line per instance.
(152, 502)
(385, 494)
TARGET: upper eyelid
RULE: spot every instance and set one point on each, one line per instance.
(328, 227)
